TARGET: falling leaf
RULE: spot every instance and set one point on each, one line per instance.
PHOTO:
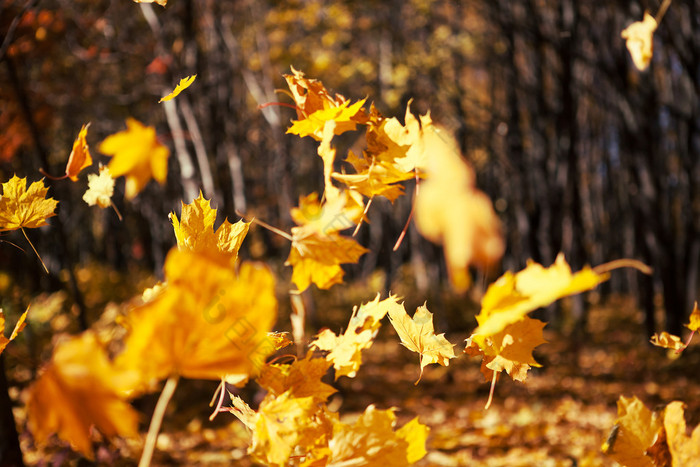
(371, 440)
(452, 212)
(685, 450)
(513, 296)
(24, 208)
(18, 328)
(138, 155)
(667, 341)
(345, 350)
(195, 229)
(181, 86)
(639, 38)
(76, 392)
(80, 155)
(316, 107)
(375, 178)
(242, 411)
(417, 334)
(317, 249)
(100, 189)
(279, 339)
(207, 322)
(413, 137)
(510, 350)
(301, 378)
(639, 428)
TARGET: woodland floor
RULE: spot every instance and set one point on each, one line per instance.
(559, 416)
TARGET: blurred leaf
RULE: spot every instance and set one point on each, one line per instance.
(181, 86)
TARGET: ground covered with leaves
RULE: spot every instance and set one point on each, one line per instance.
(561, 415)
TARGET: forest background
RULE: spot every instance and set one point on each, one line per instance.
(580, 152)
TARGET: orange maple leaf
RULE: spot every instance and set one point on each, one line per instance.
(80, 157)
(76, 392)
(18, 328)
(667, 341)
(417, 334)
(639, 427)
(137, 154)
(205, 323)
(301, 378)
(694, 323)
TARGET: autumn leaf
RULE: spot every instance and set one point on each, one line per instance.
(315, 107)
(639, 37)
(513, 296)
(667, 341)
(694, 323)
(639, 428)
(18, 328)
(100, 189)
(317, 249)
(375, 178)
(449, 210)
(137, 154)
(181, 86)
(371, 440)
(80, 157)
(685, 450)
(301, 378)
(345, 350)
(417, 334)
(207, 321)
(195, 230)
(24, 208)
(76, 392)
(411, 136)
(159, 2)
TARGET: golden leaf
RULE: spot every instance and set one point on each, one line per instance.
(17, 329)
(195, 230)
(181, 86)
(639, 38)
(685, 450)
(76, 392)
(345, 350)
(159, 2)
(100, 189)
(301, 378)
(694, 323)
(80, 155)
(417, 334)
(24, 208)
(513, 296)
(137, 154)
(452, 212)
(639, 427)
(206, 322)
(667, 341)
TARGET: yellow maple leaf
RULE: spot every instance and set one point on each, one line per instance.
(181, 86)
(100, 189)
(417, 334)
(301, 378)
(195, 230)
(317, 249)
(25, 208)
(375, 178)
(345, 350)
(137, 154)
(315, 107)
(639, 38)
(80, 157)
(371, 440)
(412, 136)
(513, 296)
(510, 350)
(17, 329)
(667, 341)
(685, 450)
(639, 428)
(206, 322)
(76, 392)
(466, 225)
(694, 323)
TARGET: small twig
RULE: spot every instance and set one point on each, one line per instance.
(156, 420)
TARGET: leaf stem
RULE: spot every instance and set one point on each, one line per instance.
(156, 420)
(279, 232)
(410, 215)
(623, 263)
(114, 206)
(493, 387)
(37, 253)
(662, 11)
